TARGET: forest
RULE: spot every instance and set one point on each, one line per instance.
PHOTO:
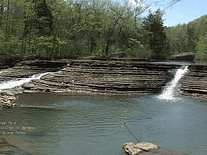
(52, 29)
(191, 38)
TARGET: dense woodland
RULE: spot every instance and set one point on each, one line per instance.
(58, 29)
(191, 37)
(66, 29)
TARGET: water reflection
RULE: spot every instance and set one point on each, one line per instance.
(89, 125)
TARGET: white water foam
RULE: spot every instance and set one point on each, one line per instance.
(19, 82)
(168, 93)
(2, 71)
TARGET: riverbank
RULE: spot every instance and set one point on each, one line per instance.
(194, 83)
(115, 77)
(101, 76)
(90, 76)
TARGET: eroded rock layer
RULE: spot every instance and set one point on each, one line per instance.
(105, 77)
(6, 100)
(194, 83)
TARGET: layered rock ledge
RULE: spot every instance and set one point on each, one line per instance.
(7, 100)
(194, 83)
(104, 77)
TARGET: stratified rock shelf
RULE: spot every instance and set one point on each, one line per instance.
(194, 83)
(104, 77)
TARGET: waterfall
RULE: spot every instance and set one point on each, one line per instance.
(19, 82)
(168, 92)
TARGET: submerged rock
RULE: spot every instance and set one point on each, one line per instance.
(148, 149)
(6, 148)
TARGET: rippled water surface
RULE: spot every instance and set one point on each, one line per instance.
(91, 125)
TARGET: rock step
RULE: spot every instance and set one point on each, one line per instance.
(93, 76)
(105, 77)
(194, 83)
(7, 100)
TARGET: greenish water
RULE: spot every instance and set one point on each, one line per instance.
(90, 125)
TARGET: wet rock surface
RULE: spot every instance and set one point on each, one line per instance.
(7, 100)
(105, 77)
(26, 69)
(194, 83)
(7, 148)
(164, 152)
(89, 76)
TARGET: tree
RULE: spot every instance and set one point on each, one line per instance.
(156, 35)
(201, 48)
(41, 20)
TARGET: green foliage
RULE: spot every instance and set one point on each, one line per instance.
(61, 29)
(201, 48)
(156, 35)
(188, 38)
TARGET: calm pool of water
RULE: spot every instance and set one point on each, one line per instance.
(91, 125)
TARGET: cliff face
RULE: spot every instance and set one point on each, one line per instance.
(195, 82)
(103, 77)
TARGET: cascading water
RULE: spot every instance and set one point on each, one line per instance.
(168, 93)
(2, 71)
(18, 82)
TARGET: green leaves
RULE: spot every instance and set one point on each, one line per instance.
(55, 29)
(201, 48)
(156, 38)
(188, 38)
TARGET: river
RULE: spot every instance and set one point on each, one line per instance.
(52, 124)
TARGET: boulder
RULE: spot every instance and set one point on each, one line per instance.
(118, 55)
(148, 149)
(28, 86)
(138, 148)
(183, 56)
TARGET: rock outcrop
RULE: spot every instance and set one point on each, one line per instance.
(138, 148)
(26, 69)
(89, 76)
(105, 77)
(7, 100)
(118, 55)
(184, 56)
(194, 83)
(148, 149)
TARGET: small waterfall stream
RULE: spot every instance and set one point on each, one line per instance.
(19, 82)
(169, 91)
